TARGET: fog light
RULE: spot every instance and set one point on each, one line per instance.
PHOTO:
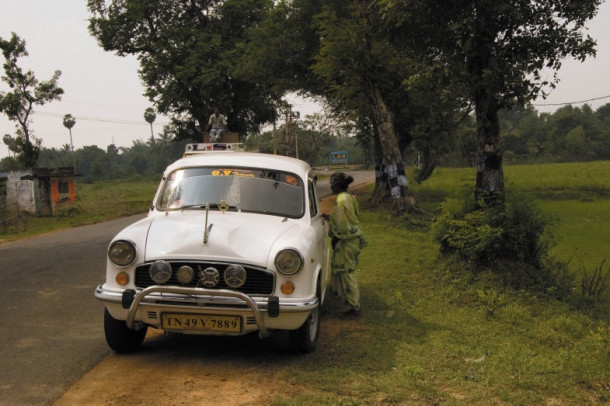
(122, 278)
(185, 274)
(287, 288)
(160, 271)
(235, 276)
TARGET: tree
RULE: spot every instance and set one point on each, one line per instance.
(188, 53)
(150, 116)
(500, 51)
(345, 51)
(69, 122)
(26, 92)
(363, 72)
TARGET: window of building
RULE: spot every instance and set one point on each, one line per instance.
(62, 187)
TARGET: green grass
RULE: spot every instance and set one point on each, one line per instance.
(431, 335)
(582, 230)
(576, 195)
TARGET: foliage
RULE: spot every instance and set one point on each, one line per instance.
(594, 284)
(189, 54)
(149, 115)
(344, 52)
(569, 134)
(95, 164)
(513, 240)
(498, 51)
(18, 104)
(69, 121)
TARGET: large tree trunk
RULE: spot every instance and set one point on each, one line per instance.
(490, 175)
(390, 172)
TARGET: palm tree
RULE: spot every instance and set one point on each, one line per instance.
(149, 116)
(69, 122)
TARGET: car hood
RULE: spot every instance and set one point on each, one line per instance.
(241, 237)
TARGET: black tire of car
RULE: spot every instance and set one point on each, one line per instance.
(304, 339)
(121, 338)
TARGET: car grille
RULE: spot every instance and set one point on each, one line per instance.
(258, 282)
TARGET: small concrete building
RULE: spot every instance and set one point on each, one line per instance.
(38, 191)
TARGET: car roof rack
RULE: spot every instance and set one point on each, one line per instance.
(199, 148)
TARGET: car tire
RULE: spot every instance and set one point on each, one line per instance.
(304, 339)
(121, 338)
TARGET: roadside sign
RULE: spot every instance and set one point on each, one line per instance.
(338, 157)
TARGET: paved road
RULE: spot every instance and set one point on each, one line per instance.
(51, 326)
(360, 177)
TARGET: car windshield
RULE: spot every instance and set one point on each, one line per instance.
(238, 189)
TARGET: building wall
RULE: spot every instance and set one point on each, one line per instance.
(21, 192)
(38, 195)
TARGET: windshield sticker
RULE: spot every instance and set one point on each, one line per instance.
(245, 173)
(291, 180)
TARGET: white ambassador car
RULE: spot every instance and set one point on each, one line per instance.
(234, 242)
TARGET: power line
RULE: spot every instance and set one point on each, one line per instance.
(101, 104)
(98, 119)
(576, 102)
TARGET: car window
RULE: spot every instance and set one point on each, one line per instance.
(245, 189)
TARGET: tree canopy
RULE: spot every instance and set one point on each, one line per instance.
(501, 51)
(188, 53)
(410, 71)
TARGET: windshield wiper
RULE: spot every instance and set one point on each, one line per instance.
(215, 206)
(191, 206)
(223, 206)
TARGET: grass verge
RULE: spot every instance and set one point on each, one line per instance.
(431, 334)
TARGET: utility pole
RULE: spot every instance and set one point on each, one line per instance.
(288, 113)
(296, 139)
(290, 132)
(274, 140)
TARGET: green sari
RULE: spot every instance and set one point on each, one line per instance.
(347, 241)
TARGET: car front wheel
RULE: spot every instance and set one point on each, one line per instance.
(121, 338)
(305, 338)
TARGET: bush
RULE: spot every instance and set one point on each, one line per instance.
(511, 240)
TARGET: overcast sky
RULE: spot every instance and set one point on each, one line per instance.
(103, 91)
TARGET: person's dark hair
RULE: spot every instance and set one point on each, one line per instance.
(341, 180)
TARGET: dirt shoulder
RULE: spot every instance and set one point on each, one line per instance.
(185, 370)
(173, 369)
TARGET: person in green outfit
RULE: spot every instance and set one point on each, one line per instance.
(347, 242)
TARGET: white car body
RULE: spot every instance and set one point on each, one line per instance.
(219, 245)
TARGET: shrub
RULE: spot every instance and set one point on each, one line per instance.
(511, 240)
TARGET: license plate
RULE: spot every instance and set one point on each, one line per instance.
(201, 322)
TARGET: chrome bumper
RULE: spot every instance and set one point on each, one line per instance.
(201, 296)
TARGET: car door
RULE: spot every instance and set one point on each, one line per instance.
(321, 234)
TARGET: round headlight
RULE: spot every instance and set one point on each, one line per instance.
(288, 262)
(122, 253)
(160, 271)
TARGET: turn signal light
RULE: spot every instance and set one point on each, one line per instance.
(287, 288)
(122, 278)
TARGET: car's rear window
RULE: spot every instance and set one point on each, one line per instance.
(240, 189)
